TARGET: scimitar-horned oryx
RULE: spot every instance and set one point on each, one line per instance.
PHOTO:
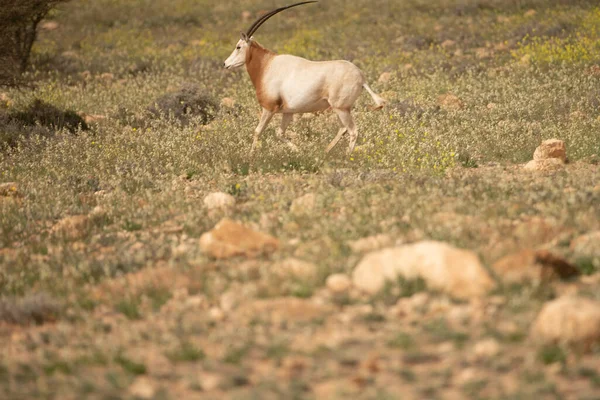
(288, 84)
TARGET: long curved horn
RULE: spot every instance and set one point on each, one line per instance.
(268, 15)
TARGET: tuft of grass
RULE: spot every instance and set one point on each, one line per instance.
(402, 341)
(130, 366)
(130, 308)
(550, 354)
(186, 352)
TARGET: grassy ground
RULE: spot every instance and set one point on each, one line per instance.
(129, 303)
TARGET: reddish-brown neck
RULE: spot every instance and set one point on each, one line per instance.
(257, 61)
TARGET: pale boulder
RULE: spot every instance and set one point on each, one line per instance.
(231, 239)
(219, 201)
(570, 320)
(338, 283)
(384, 77)
(296, 268)
(550, 164)
(142, 388)
(443, 267)
(551, 148)
(486, 348)
(450, 102)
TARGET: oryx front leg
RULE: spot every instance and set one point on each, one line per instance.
(285, 121)
(265, 118)
(348, 123)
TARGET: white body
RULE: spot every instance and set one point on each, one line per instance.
(288, 84)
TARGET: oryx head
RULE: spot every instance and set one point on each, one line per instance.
(238, 56)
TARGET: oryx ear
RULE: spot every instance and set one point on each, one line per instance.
(244, 36)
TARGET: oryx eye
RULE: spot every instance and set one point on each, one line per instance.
(239, 47)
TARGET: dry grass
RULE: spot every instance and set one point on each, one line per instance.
(142, 300)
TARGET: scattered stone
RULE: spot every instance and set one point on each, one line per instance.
(227, 102)
(72, 227)
(530, 13)
(371, 243)
(575, 115)
(209, 381)
(455, 271)
(482, 53)
(491, 106)
(216, 314)
(93, 118)
(107, 76)
(569, 320)
(142, 388)
(551, 148)
(49, 25)
(338, 283)
(297, 268)
(411, 306)
(246, 15)
(385, 77)
(304, 204)
(525, 60)
(230, 239)
(551, 164)
(448, 43)
(9, 189)
(532, 265)
(486, 348)
(219, 201)
(450, 102)
(290, 309)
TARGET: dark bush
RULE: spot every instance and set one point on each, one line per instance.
(49, 116)
(186, 103)
(39, 119)
(36, 308)
(18, 30)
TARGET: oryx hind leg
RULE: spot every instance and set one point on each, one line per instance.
(336, 139)
(348, 124)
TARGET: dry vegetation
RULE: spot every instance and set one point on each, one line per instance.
(105, 291)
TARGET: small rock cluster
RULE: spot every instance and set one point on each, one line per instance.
(548, 156)
(459, 273)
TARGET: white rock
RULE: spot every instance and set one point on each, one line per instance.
(384, 77)
(209, 381)
(142, 388)
(443, 267)
(551, 148)
(550, 164)
(486, 348)
(297, 268)
(231, 239)
(219, 200)
(568, 320)
(338, 283)
(216, 314)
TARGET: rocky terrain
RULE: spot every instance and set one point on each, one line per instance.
(454, 255)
